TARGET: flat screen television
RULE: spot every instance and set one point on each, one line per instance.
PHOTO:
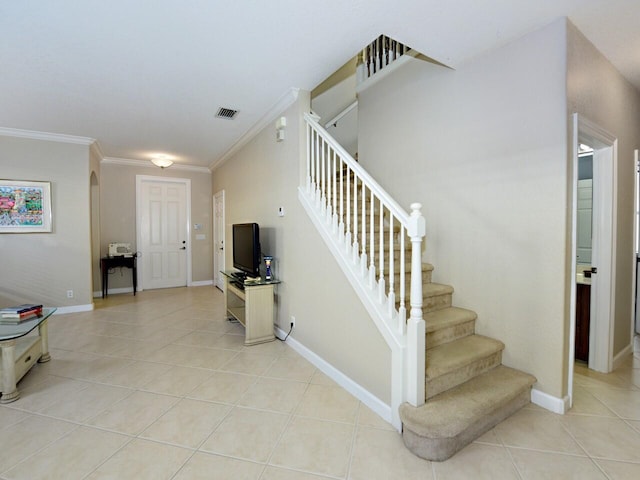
(246, 248)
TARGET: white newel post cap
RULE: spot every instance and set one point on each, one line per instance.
(416, 227)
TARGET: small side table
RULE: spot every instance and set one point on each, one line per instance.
(20, 351)
(108, 263)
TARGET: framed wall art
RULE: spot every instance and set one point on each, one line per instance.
(25, 207)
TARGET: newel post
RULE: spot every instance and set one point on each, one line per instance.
(415, 325)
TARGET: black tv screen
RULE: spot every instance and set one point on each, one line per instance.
(246, 248)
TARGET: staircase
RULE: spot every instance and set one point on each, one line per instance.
(448, 384)
(467, 390)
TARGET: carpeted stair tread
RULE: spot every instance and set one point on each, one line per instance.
(451, 420)
(434, 289)
(459, 353)
(447, 317)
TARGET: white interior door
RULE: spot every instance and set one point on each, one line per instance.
(163, 231)
(218, 239)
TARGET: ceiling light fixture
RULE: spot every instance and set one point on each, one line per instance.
(162, 161)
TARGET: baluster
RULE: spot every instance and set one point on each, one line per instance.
(356, 245)
(308, 158)
(341, 222)
(380, 52)
(335, 193)
(392, 294)
(402, 311)
(381, 284)
(348, 206)
(372, 250)
(363, 258)
(394, 49)
(322, 179)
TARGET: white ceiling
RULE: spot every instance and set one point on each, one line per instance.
(147, 76)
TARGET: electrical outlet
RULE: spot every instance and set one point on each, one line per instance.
(69, 293)
(293, 321)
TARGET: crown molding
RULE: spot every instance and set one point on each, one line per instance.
(274, 112)
(130, 162)
(51, 137)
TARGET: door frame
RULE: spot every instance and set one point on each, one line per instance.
(604, 253)
(218, 196)
(150, 178)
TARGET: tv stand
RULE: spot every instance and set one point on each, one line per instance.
(251, 304)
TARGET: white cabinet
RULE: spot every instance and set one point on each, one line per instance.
(252, 305)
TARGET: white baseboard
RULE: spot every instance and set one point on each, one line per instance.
(201, 283)
(636, 344)
(620, 357)
(73, 309)
(549, 402)
(362, 394)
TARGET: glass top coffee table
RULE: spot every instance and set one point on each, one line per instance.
(20, 351)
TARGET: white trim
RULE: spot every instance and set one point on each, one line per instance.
(130, 162)
(281, 105)
(621, 357)
(50, 137)
(95, 148)
(218, 197)
(201, 283)
(636, 344)
(74, 309)
(549, 402)
(355, 389)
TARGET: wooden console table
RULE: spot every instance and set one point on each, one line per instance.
(20, 351)
(108, 263)
(251, 303)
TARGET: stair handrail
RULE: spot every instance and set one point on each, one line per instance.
(326, 159)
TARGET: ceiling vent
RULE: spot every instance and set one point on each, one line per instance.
(227, 113)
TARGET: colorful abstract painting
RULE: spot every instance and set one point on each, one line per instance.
(25, 206)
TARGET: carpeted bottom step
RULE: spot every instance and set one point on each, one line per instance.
(450, 421)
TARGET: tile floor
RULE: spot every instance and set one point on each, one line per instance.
(160, 386)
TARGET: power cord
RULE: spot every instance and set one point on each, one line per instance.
(285, 338)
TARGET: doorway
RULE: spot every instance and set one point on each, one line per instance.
(601, 262)
(163, 207)
(218, 240)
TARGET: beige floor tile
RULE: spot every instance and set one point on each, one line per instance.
(177, 381)
(369, 418)
(247, 434)
(328, 403)
(76, 455)
(477, 461)
(86, 403)
(536, 465)
(134, 413)
(536, 430)
(24, 438)
(291, 368)
(136, 373)
(143, 460)
(138, 349)
(585, 403)
(9, 416)
(315, 446)
(275, 348)
(248, 363)
(188, 423)
(320, 378)
(49, 391)
(625, 403)
(192, 356)
(232, 340)
(277, 473)
(490, 438)
(590, 378)
(273, 394)
(198, 338)
(223, 387)
(608, 438)
(381, 454)
(620, 470)
(203, 466)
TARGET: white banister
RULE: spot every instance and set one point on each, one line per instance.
(339, 191)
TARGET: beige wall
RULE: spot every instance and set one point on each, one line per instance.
(118, 214)
(41, 267)
(484, 149)
(330, 320)
(598, 91)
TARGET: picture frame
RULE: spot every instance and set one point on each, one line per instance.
(25, 206)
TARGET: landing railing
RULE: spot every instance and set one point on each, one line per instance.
(379, 54)
(370, 232)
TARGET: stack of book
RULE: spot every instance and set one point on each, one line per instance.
(20, 313)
